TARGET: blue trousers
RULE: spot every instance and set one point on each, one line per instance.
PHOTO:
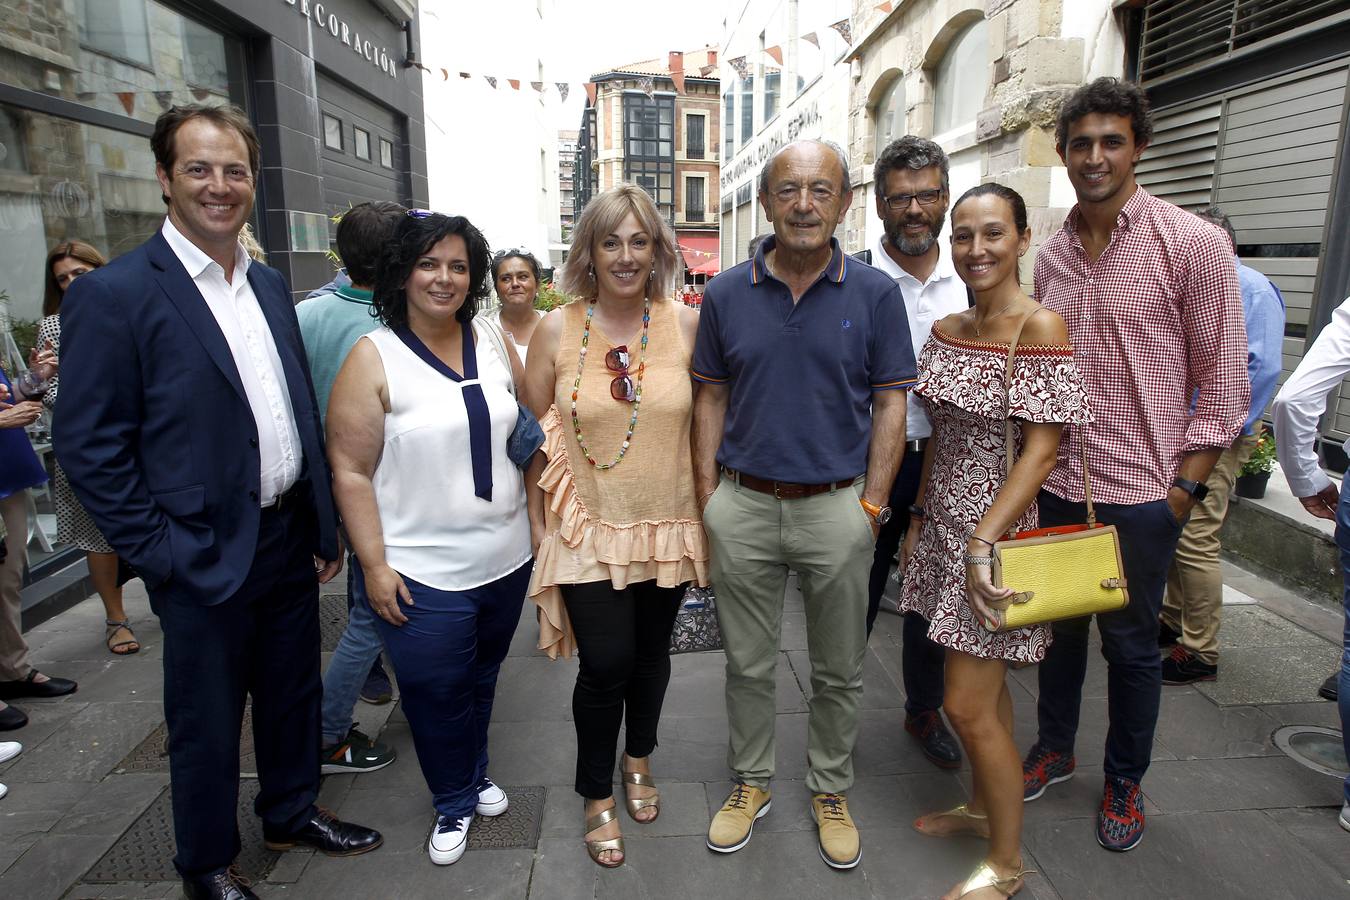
(447, 656)
(1343, 543)
(1148, 537)
(356, 652)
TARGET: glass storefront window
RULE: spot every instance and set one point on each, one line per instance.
(961, 79)
(133, 58)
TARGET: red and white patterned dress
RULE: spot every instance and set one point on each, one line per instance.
(962, 384)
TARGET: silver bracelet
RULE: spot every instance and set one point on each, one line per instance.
(979, 560)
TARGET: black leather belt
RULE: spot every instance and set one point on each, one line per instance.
(288, 501)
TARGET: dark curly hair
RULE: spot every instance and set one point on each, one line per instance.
(910, 152)
(525, 256)
(1108, 96)
(416, 234)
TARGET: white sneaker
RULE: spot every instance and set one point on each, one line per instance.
(491, 799)
(3, 790)
(1345, 816)
(9, 750)
(449, 839)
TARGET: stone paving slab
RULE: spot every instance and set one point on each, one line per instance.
(1260, 675)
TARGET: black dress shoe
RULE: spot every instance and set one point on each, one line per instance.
(327, 834)
(27, 687)
(11, 717)
(227, 885)
(937, 742)
(1330, 688)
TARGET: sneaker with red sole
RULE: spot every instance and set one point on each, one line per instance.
(1120, 821)
(1183, 667)
(1043, 768)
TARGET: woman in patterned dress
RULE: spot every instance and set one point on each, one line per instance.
(967, 503)
(68, 261)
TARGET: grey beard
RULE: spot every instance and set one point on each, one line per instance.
(913, 248)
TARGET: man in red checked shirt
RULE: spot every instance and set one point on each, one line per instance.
(1151, 298)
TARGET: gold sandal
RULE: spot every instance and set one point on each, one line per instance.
(635, 805)
(984, 876)
(962, 813)
(595, 848)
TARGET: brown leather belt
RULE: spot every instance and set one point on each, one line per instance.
(784, 490)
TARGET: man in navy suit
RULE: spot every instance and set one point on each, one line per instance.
(188, 426)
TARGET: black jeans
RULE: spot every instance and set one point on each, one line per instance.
(922, 661)
(623, 641)
(1148, 537)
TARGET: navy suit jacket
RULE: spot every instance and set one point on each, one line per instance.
(155, 433)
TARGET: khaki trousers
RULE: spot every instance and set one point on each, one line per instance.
(13, 651)
(1194, 583)
(827, 540)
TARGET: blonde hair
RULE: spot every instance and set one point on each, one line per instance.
(601, 217)
(249, 242)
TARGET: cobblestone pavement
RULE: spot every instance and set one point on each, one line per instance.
(1230, 815)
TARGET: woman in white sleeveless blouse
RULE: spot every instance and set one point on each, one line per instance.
(435, 510)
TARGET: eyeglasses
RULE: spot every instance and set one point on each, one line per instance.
(621, 388)
(900, 202)
(421, 213)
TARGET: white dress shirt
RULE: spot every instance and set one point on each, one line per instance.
(925, 302)
(1302, 401)
(236, 310)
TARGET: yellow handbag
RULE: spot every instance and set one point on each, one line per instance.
(1058, 572)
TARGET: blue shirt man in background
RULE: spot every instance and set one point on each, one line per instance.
(1189, 623)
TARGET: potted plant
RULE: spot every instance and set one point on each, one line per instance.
(1255, 472)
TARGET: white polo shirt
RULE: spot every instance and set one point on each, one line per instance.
(925, 302)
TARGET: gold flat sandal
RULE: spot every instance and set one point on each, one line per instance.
(641, 803)
(984, 877)
(595, 848)
(962, 813)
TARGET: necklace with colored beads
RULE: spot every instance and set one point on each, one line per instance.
(637, 387)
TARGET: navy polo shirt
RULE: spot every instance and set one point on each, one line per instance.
(801, 376)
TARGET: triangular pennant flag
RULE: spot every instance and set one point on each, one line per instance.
(776, 52)
(810, 38)
(591, 88)
(676, 61)
(538, 86)
(563, 89)
(706, 71)
(128, 99)
(845, 31)
(740, 66)
(164, 99)
(514, 82)
(492, 81)
(678, 78)
(465, 75)
(647, 84)
(885, 7)
(445, 74)
(200, 94)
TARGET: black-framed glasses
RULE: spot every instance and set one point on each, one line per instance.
(621, 388)
(900, 202)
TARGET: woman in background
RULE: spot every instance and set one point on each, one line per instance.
(516, 275)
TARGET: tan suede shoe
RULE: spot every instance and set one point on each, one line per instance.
(735, 821)
(839, 843)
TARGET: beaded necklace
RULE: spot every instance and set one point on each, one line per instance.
(637, 386)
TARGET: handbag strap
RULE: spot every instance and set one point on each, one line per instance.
(499, 341)
(1010, 453)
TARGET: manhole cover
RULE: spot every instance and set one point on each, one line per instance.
(1313, 746)
(515, 829)
(332, 620)
(152, 754)
(145, 851)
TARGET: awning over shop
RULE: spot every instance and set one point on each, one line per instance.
(700, 251)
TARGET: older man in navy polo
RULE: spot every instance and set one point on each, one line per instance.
(799, 426)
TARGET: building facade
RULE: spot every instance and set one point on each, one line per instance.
(326, 84)
(567, 197)
(642, 129)
(783, 78)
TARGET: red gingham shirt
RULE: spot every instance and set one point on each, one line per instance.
(1155, 318)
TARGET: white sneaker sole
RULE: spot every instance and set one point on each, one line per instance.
(343, 769)
(4, 790)
(447, 857)
(1343, 818)
(763, 811)
(838, 865)
(1036, 796)
(493, 809)
(8, 754)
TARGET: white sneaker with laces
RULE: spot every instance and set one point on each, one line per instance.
(449, 839)
(491, 799)
(9, 750)
(1345, 816)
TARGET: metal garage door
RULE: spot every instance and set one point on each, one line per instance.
(371, 161)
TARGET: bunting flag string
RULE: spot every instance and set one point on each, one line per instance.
(492, 81)
(810, 38)
(845, 31)
(128, 99)
(514, 82)
(884, 8)
(739, 64)
(678, 78)
(775, 53)
(648, 85)
(538, 86)
(591, 89)
(563, 89)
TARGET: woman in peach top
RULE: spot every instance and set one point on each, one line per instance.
(613, 518)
